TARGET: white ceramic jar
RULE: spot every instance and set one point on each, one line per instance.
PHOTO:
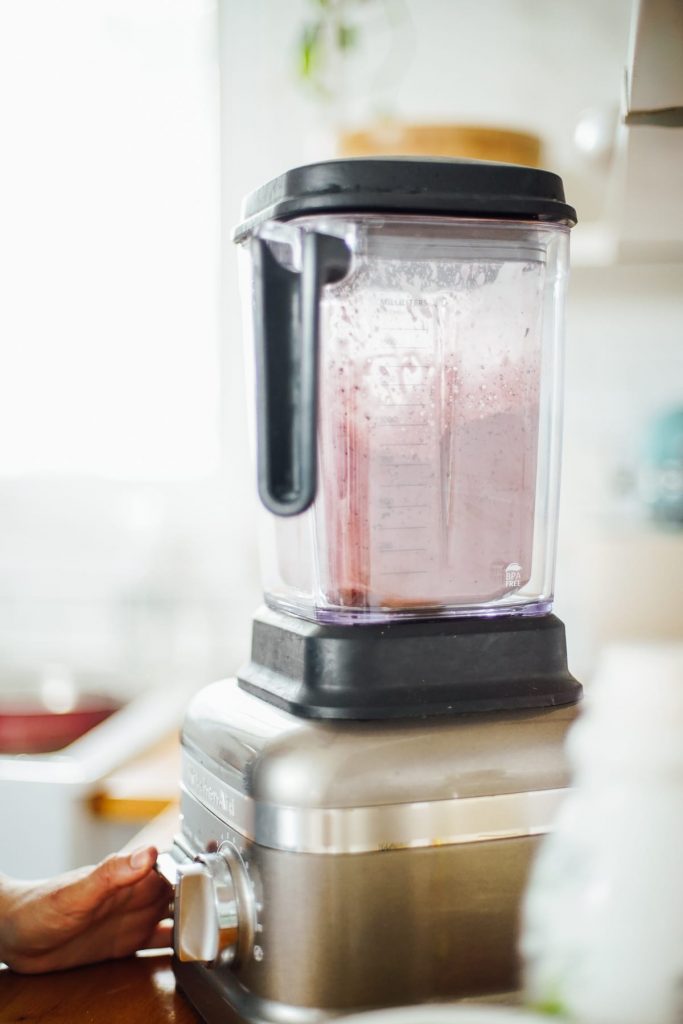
(602, 936)
(445, 1013)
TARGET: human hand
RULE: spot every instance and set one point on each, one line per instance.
(83, 916)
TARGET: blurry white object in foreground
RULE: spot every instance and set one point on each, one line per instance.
(603, 931)
(446, 1013)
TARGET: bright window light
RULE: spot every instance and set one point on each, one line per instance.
(109, 238)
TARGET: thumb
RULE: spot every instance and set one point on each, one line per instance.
(113, 873)
(120, 870)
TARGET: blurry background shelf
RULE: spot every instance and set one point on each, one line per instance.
(93, 795)
(634, 584)
(143, 787)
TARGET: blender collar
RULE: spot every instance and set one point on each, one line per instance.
(407, 185)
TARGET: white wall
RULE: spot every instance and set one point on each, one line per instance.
(124, 556)
(617, 577)
(528, 64)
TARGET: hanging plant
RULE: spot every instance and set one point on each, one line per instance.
(348, 50)
(330, 30)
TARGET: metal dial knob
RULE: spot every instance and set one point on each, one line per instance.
(214, 909)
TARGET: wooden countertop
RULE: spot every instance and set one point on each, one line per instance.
(137, 990)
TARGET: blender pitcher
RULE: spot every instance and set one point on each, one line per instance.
(406, 319)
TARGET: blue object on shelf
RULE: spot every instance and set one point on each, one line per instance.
(664, 457)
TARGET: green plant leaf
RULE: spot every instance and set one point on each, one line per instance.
(551, 1008)
(347, 36)
(308, 49)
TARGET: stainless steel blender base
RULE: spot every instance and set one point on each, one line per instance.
(222, 1000)
(392, 928)
(386, 860)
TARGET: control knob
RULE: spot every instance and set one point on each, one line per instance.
(214, 909)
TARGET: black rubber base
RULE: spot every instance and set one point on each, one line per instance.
(408, 669)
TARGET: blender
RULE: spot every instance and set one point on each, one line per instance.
(359, 807)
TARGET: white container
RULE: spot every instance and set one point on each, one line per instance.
(603, 919)
(446, 1013)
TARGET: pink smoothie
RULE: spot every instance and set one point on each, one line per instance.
(428, 444)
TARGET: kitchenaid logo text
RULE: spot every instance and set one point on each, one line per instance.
(209, 791)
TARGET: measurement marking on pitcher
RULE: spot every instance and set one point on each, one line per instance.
(399, 551)
(402, 348)
(405, 572)
(415, 465)
(383, 528)
(393, 508)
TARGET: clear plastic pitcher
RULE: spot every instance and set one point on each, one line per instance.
(408, 391)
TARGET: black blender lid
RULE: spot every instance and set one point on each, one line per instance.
(446, 187)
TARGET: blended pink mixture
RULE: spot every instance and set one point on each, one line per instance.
(428, 448)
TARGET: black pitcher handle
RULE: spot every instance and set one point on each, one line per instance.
(286, 329)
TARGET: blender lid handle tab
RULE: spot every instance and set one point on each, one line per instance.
(286, 329)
